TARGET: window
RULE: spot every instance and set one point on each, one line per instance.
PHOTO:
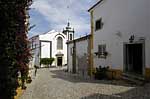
(59, 43)
(98, 24)
(70, 36)
(33, 44)
(102, 51)
(71, 51)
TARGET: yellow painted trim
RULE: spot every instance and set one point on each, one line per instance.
(92, 29)
(19, 90)
(19, 93)
(115, 74)
(91, 45)
(147, 73)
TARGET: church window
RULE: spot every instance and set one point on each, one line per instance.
(70, 36)
(59, 43)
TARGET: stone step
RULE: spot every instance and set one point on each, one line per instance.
(133, 78)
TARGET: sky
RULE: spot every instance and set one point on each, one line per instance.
(49, 15)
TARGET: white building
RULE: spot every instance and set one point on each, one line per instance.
(78, 55)
(50, 44)
(120, 31)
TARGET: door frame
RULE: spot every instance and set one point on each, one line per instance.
(61, 58)
(143, 55)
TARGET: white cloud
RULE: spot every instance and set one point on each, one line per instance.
(56, 12)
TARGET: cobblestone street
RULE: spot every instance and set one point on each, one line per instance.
(57, 84)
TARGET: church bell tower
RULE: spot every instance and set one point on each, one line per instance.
(69, 32)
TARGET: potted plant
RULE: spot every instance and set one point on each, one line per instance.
(101, 72)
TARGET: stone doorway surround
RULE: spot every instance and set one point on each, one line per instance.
(131, 49)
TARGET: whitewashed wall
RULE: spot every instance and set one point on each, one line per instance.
(45, 50)
(69, 62)
(34, 52)
(35, 56)
(52, 36)
(81, 55)
(127, 17)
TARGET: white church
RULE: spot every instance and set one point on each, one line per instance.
(51, 45)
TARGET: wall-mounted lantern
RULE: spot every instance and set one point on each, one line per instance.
(131, 39)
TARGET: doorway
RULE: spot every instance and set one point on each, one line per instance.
(134, 58)
(59, 61)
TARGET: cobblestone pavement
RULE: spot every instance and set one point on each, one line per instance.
(57, 84)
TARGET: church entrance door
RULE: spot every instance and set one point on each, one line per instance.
(59, 61)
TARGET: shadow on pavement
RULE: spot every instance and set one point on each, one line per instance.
(135, 93)
(74, 78)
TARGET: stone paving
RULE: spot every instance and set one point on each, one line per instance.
(57, 84)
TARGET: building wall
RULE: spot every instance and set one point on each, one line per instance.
(52, 37)
(70, 55)
(34, 42)
(82, 54)
(121, 19)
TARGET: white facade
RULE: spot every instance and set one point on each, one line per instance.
(121, 19)
(46, 46)
(34, 45)
(78, 54)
